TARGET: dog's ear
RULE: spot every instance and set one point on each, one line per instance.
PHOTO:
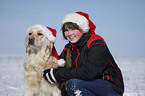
(51, 46)
(26, 45)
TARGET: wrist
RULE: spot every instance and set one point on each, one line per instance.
(49, 76)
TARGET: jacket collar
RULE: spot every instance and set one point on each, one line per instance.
(81, 42)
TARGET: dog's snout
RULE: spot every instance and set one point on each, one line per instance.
(31, 40)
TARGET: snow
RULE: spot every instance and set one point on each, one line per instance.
(12, 75)
(78, 93)
(133, 70)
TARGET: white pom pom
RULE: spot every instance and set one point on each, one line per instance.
(61, 62)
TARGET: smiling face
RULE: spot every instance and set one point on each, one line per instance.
(73, 35)
(72, 32)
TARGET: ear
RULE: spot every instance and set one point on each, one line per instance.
(26, 45)
(51, 46)
(48, 48)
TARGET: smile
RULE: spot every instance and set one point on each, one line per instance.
(72, 37)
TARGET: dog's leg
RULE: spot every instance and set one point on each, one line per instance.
(45, 88)
(29, 91)
(56, 91)
(49, 89)
(32, 85)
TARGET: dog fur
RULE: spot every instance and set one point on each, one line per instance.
(39, 58)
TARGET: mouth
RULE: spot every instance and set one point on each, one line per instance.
(31, 46)
(31, 40)
(31, 43)
(72, 37)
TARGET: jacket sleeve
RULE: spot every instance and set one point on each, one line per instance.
(92, 67)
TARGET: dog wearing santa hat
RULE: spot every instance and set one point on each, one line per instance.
(41, 55)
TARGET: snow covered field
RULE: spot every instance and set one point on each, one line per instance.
(12, 75)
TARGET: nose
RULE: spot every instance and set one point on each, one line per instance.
(31, 40)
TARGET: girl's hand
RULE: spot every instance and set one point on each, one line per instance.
(49, 76)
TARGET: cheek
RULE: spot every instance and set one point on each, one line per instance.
(78, 34)
(38, 39)
(65, 34)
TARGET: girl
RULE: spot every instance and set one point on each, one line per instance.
(90, 68)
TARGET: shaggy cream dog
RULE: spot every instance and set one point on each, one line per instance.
(39, 44)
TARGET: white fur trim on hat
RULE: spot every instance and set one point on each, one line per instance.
(46, 31)
(61, 62)
(80, 20)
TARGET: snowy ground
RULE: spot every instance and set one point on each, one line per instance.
(12, 75)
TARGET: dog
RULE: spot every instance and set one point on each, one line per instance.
(39, 57)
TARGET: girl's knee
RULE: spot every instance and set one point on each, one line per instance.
(72, 85)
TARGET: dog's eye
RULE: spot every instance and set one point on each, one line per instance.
(39, 34)
(30, 33)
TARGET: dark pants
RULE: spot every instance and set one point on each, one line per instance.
(97, 87)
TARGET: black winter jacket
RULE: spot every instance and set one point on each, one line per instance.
(91, 59)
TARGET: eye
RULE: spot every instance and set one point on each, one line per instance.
(30, 33)
(74, 29)
(66, 29)
(39, 34)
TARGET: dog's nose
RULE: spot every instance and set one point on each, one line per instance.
(31, 40)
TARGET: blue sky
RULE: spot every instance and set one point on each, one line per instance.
(120, 22)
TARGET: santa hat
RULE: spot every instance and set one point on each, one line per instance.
(49, 32)
(51, 35)
(61, 62)
(82, 20)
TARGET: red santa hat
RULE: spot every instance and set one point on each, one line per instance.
(61, 62)
(51, 35)
(82, 20)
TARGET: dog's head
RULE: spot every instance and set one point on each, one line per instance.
(38, 39)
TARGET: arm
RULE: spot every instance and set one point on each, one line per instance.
(92, 67)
